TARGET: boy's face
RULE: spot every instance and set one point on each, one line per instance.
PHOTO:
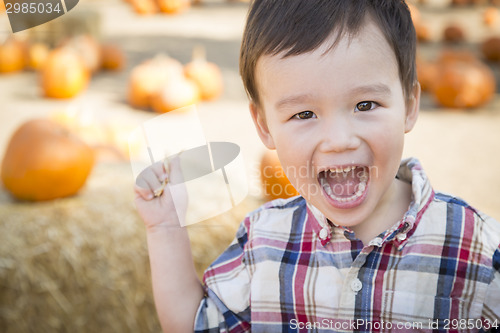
(332, 110)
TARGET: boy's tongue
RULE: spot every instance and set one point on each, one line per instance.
(343, 184)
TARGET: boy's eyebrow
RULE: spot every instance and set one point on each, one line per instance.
(293, 100)
(379, 88)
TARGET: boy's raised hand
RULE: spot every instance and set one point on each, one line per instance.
(177, 290)
(153, 198)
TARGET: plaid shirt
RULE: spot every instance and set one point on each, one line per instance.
(437, 269)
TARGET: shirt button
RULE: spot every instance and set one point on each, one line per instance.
(377, 241)
(401, 237)
(356, 285)
(323, 234)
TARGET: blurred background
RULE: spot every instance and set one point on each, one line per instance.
(73, 254)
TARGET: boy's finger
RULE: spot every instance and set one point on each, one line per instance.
(148, 179)
(145, 194)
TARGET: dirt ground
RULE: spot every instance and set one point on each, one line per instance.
(459, 150)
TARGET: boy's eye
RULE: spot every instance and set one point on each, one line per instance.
(305, 115)
(366, 106)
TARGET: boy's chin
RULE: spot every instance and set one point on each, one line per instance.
(346, 215)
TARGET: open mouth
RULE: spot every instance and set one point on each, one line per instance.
(345, 185)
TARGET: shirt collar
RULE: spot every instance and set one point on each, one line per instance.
(410, 171)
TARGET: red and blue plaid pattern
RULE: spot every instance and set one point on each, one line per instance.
(436, 270)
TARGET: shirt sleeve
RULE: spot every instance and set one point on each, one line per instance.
(491, 307)
(226, 304)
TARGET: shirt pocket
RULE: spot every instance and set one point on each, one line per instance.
(423, 310)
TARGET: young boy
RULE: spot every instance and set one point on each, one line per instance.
(368, 246)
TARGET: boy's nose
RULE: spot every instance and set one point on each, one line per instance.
(338, 135)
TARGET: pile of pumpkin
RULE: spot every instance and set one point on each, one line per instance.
(458, 78)
(164, 84)
(148, 7)
(66, 70)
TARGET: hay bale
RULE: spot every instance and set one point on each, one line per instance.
(80, 264)
(210, 238)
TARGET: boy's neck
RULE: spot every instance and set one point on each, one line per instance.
(389, 211)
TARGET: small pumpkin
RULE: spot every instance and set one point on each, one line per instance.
(12, 56)
(423, 32)
(44, 161)
(491, 49)
(149, 77)
(112, 57)
(454, 33)
(491, 16)
(64, 74)
(464, 84)
(176, 94)
(173, 6)
(206, 75)
(37, 55)
(274, 181)
(144, 7)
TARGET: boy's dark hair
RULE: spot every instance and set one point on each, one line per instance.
(299, 26)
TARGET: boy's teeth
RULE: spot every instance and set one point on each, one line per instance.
(363, 179)
(326, 187)
(342, 170)
(328, 190)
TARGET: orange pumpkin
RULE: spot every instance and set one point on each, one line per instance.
(454, 33)
(37, 55)
(112, 57)
(274, 181)
(491, 16)
(423, 32)
(173, 6)
(44, 161)
(491, 49)
(64, 74)
(176, 94)
(464, 84)
(12, 55)
(206, 75)
(144, 7)
(149, 77)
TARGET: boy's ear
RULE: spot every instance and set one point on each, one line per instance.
(412, 108)
(261, 126)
